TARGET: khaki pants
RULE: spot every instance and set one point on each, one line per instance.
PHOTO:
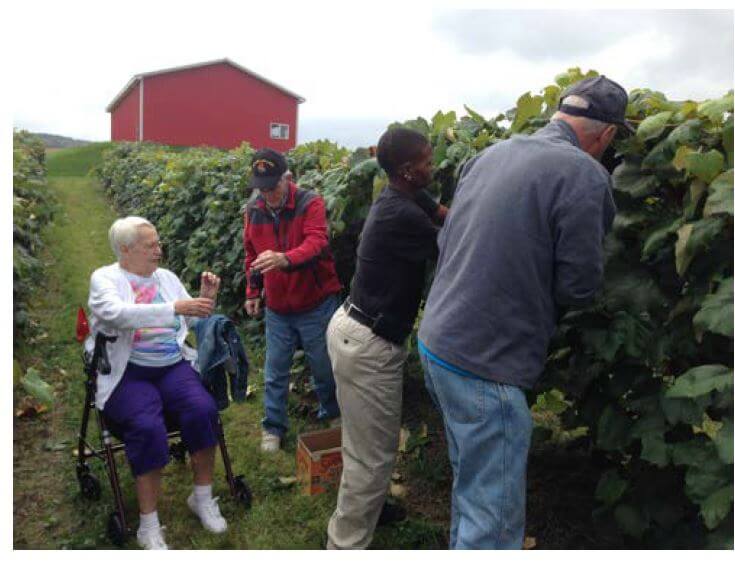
(368, 371)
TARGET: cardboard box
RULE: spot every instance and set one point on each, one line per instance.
(319, 460)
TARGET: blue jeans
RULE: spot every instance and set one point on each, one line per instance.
(488, 427)
(282, 334)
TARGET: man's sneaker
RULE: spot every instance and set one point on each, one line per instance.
(151, 539)
(208, 512)
(270, 443)
(336, 422)
(391, 513)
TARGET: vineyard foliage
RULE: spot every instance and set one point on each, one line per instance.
(647, 370)
(33, 209)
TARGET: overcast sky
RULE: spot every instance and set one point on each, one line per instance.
(359, 70)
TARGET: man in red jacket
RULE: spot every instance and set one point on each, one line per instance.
(289, 265)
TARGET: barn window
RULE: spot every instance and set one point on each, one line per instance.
(279, 131)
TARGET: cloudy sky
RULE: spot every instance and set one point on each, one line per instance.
(359, 69)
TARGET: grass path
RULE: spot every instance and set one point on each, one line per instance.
(48, 511)
(45, 507)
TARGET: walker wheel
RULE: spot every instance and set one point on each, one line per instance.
(242, 492)
(90, 486)
(115, 530)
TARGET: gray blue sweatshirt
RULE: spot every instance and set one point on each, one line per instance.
(523, 238)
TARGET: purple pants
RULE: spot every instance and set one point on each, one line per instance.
(145, 397)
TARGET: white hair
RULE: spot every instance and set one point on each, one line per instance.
(124, 232)
(589, 126)
(576, 101)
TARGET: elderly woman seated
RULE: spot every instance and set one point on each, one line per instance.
(148, 309)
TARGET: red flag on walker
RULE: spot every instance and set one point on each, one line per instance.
(82, 325)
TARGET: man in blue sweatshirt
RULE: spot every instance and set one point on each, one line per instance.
(522, 243)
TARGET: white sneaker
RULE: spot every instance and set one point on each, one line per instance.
(208, 513)
(151, 539)
(270, 443)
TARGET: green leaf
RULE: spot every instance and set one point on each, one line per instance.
(687, 109)
(698, 453)
(635, 291)
(630, 221)
(660, 157)
(707, 426)
(634, 332)
(693, 239)
(337, 226)
(551, 98)
(457, 152)
(474, 115)
(648, 101)
(380, 181)
(603, 343)
(652, 126)
(705, 165)
(683, 410)
(613, 429)
(528, 106)
(714, 110)
(651, 421)
(720, 199)
(629, 179)
(701, 483)
(441, 121)
(659, 237)
(419, 124)
(724, 441)
(723, 401)
(688, 133)
(727, 140)
(563, 79)
(701, 380)
(716, 313)
(482, 140)
(654, 449)
(717, 506)
(573, 75)
(680, 157)
(17, 372)
(631, 520)
(37, 387)
(610, 487)
(697, 189)
(552, 401)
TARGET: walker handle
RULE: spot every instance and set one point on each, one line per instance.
(100, 360)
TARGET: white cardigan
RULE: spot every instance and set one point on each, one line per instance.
(115, 313)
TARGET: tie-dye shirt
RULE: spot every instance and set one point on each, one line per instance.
(154, 346)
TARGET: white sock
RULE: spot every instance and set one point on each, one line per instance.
(203, 493)
(149, 520)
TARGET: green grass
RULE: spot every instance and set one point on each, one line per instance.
(48, 511)
(76, 161)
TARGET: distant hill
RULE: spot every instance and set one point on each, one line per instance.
(57, 141)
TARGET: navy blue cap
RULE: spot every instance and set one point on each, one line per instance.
(267, 168)
(607, 101)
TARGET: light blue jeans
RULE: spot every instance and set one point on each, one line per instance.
(282, 334)
(488, 427)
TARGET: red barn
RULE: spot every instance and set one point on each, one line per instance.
(217, 103)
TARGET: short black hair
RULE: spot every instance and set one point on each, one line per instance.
(398, 146)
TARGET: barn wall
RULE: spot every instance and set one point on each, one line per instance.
(125, 118)
(215, 105)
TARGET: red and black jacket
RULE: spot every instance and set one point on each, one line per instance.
(299, 230)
